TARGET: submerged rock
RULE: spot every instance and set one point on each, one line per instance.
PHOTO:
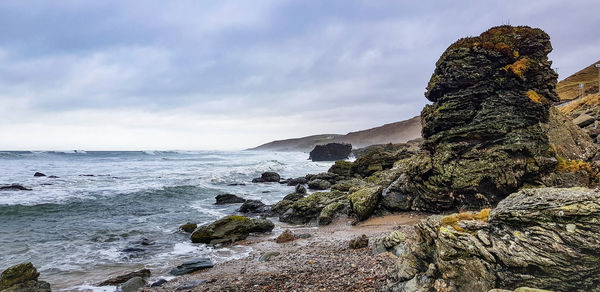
(188, 227)
(22, 277)
(223, 199)
(192, 266)
(144, 273)
(38, 174)
(230, 229)
(268, 176)
(14, 187)
(330, 152)
(535, 238)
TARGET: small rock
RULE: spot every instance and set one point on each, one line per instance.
(286, 236)
(14, 187)
(295, 181)
(133, 284)
(38, 174)
(145, 273)
(228, 199)
(53, 176)
(190, 284)
(192, 266)
(188, 227)
(254, 206)
(267, 256)
(583, 120)
(359, 242)
(268, 176)
(300, 189)
(159, 283)
(303, 235)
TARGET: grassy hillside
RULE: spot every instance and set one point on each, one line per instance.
(568, 88)
(398, 132)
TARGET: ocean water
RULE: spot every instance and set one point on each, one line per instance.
(76, 228)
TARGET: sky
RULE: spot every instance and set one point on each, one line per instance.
(228, 75)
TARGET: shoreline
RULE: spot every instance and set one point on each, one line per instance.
(322, 261)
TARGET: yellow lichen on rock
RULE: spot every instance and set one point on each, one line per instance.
(453, 219)
(535, 97)
(519, 67)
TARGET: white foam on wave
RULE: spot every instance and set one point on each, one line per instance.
(90, 288)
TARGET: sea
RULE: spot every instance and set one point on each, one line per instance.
(111, 212)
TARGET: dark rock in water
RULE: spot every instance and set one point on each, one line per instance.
(14, 187)
(491, 129)
(189, 285)
(228, 199)
(286, 236)
(319, 184)
(133, 284)
(267, 256)
(133, 249)
(145, 242)
(294, 181)
(536, 238)
(286, 203)
(191, 266)
(38, 174)
(330, 152)
(236, 184)
(268, 176)
(188, 227)
(159, 283)
(230, 229)
(53, 176)
(254, 206)
(22, 278)
(359, 242)
(300, 189)
(145, 273)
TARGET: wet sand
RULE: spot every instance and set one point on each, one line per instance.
(323, 262)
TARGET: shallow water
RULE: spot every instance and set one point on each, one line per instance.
(75, 228)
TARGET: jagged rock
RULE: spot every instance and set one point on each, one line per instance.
(38, 174)
(364, 201)
(14, 187)
(230, 229)
(22, 278)
(330, 177)
(144, 273)
(286, 236)
(349, 185)
(380, 157)
(342, 168)
(487, 133)
(584, 120)
(294, 181)
(254, 206)
(534, 238)
(133, 284)
(333, 211)
(192, 266)
(359, 242)
(268, 176)
(330, 152)
(228, 199)
(394, 243)
(309, 208)
(188, 227)
(287, 202)
(319, 184)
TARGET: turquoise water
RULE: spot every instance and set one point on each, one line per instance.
(76, 228)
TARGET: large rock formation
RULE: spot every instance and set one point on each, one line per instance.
(545, 238)
(230, 229)
(22, 277)
(330, 152)
(490, 130)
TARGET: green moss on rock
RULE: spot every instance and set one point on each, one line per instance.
(364, 201)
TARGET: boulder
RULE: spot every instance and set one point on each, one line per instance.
(223, 199)
(144, 273)
(533, 238)
(159, 283)
(330, 152)
(309, 208)
(254, 206)
(394, 243)
(285, 236)
(287, 202)
(300, 189)
(133, 284)
(230, 229)
(22, 277)
(268, 176)
(488, 130)
(294, 181)
(14, 187)
(267, 256)
(359, 242)
(38, 174)
(332, 211)
(188, 227)
(364, 201)
(319, 184)
(192, 266)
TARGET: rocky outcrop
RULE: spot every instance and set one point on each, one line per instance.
(14, 187)
(585, 113)
(330, 152)
(268, 176)
(490, 130)
(224, 199)
(22, 277)
(230, 229)
(254, 207)
(546, 238)
(319, 184)
(309, 208)
(192, 266)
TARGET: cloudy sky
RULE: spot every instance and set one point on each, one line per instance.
(125, 75)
